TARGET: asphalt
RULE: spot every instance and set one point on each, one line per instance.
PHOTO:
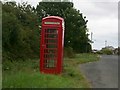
(103, 73)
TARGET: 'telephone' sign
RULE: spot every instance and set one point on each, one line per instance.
(52, 22)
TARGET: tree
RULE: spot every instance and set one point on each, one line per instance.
(21, 34)
(75, 24)
(20, 31)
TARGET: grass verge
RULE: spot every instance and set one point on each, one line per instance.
(25, 74)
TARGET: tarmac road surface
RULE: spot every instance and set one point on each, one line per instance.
(103, 73)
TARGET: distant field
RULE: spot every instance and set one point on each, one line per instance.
(25, 74)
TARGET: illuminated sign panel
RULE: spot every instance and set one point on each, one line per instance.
(52, 23)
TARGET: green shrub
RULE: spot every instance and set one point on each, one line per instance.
(99, 52)
(107, 51)
(68, 52)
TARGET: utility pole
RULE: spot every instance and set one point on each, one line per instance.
(105, 43)
(91, 38)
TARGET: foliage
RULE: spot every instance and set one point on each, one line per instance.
(68, 52)
(76, 30)
(99, 52)
(107, 51)
(25, 74)
(20, 33)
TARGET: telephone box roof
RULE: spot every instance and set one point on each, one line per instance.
(55, 17)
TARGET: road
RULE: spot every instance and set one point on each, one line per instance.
(103, 73)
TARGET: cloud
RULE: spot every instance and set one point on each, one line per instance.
(97, 9)
(102, 19)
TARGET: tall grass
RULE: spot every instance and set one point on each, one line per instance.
(25, 74)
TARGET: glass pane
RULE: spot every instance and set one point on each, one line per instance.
(50, 35)
(50, 51)
(50, 63)
(50, 41)
(51, 31)
(51, 46)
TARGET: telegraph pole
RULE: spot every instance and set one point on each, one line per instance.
(91, 38)
(105, 43)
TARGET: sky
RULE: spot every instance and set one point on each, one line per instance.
(102, 16)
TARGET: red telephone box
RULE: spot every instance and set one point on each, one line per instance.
(51, 46)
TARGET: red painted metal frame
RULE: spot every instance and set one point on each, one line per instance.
(60, 44)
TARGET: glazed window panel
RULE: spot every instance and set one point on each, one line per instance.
(51, 46)
(50, 63)
(51, 31)
(50, 40)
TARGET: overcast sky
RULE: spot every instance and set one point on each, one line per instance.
(102, 19)
(102, 16)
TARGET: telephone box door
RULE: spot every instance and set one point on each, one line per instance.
(49, 50)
